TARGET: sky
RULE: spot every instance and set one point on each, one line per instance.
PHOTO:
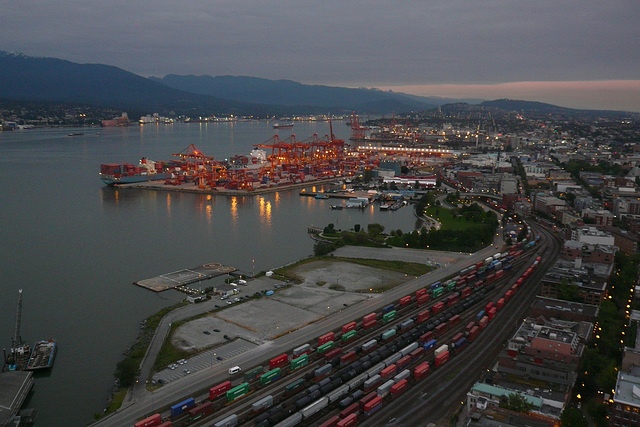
(574, 53)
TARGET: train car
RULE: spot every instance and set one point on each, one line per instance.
(294, 387)
(322, 372)
(408, 349)
(480, 315)
(152, 421)
(372, 406)
(333, 353)
(453, 299)
(354, 408)
(460, 344)
(473, 333)
(422, 316)
(492, 313)
(429, 346)
(219, 390)
(315, 407)
(269, 377)
(469, 326)
(230, 421)
(437, 292)
(331, 422)
(508, 295)
(403, 375)
(420, 292)
(421, 371)
(366, 399)
(437, 308)
(440, 329)
(405, 300)
(456, 337)
(299, 362)
(423, 299)
(369, 346)
(328, 337)
(499, 274)
(398, 388)
(372, 383)
(338, 393)
(483, 322)
(443, 348)
(384, 389)
(276, 362)
(388, 309)
(488, 307)
(303, 349)
(465, 292)
(252, 374)
(389, 316)
(407, 324)
(416, 354)
(454, 320)
(325, 347)
(349, 327)
(435, 285)
(451, 286)
(347, 358)
(262, 404)
(388, 334)
(500, 304)
(428, 336)
(180, 408)
(200, 411)
(348, 421)
(293, 420)
(388, 371)
(441, 359)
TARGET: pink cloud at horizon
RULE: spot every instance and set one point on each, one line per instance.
(602, 95)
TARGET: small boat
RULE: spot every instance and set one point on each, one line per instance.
(337, 207)
(76, 134)
(322, 196)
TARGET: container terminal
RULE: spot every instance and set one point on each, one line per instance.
(273, 165)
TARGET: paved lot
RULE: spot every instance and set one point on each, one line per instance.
(399, 254)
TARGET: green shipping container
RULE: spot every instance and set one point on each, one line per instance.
(252, 374)
(437, 292)
(349, 335)
(291, 388)
(388, 334)
(299, 362)
(237, 392)
(451, 286)
(325, 347)
(270, 376)
(389, 316)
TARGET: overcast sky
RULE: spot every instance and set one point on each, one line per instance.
(486, 47)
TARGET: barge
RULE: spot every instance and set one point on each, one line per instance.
(42, 355)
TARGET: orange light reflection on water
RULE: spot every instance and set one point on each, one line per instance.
(234, 211)
(265, 212)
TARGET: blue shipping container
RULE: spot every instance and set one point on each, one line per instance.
(480, 315)
(435, 285)
(388, 308)
(429, 345)
(460, 343)
(179, 408)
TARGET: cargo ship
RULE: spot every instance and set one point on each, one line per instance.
(282, 125)
(42, 355)
(125, 173)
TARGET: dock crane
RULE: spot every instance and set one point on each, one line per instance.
(19, 350)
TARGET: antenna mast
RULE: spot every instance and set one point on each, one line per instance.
(17, 338)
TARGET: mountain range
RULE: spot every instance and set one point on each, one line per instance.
(35, 79)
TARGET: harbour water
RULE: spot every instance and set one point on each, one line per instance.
(75, 246)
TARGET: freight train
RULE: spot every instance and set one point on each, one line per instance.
(361, 379)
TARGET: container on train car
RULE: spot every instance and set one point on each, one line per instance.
(293, 387)
(333, 353)
(348, 421)
(420, 292)
(407, 324)
(441, 359)
(372, 383)
(460, 343)
(323, 371)
(384, 389)
(492, 313)
(454, 320)
(388, 371)
(276, 362)
(387, 335)
(303, 349)
(219, 390)
(488, 307)
(349, 327)
(252, 374)
(386, 318)
(421, 371)
(443, 348)
(429, 345)
(428, 336)
(508, 295)
(440, 329)
(403, 375)
(480, 315)
(152, 421)
(473, 333)
(405, 300)
(269, 377)
(372, 406)
(369, 346)
(388, 308)
(422, 316)
(437, 308)
(437, 292)
(354, 408)
(180, 408)
(331, 422)
(416, 354)
(399, 388)
(299, 362)
(230, 421)
(262, 404)
(325, 338)
(469, 326)
(500, 304)
(423, 299)
(483, 322)
(453, 299)
(347, 358)
(325, 347)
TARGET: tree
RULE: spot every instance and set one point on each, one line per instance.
(516, 402)
(367, 175)
(375, 229)
(356, 228)
(126, 372)
(572, 417)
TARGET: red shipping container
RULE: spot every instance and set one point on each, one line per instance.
(405, 300)
(399, 388)
(421, 371)
(452, 299)
(219, 389)
(331, 422)
(466, 292)
(349, 421)
(508, 295)
(348, 358)
(426, 337)
(166, 424)
(457, 337)
(420, 292)
(204, 409)
(373, 405)
(500, 304)
(442, 358)
(388, 371)
(325, 338)
(403, 363)
(276, 362)
(473, 333)
(367, 399)
(152, 421)
(469, 326)
(351, 409)
(492, 313)
(479, 264)
(423, 299)
(440, 329)
(416, 354)
(499, 274)
(369, 324)
(333, 353)
(488, 307)
(454, 320)
(423, 315)
(369, 317)
(349, 327)
(491, 278)
(513, 288)
(478, 284)
(483, 322)
(437, 308)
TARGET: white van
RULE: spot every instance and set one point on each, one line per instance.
(234, 370)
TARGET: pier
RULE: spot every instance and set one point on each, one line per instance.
(184, 277)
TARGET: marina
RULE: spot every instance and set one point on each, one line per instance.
(184, 277)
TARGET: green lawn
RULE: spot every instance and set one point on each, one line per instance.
(445, 216)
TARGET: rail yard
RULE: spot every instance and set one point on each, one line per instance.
(378, 365)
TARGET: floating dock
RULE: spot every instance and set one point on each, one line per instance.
(184, 277)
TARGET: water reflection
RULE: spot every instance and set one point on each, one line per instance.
(234, 211)
(265, 213)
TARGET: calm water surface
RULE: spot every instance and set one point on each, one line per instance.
(75, 246)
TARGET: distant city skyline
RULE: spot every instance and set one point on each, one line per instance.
(574, 54)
